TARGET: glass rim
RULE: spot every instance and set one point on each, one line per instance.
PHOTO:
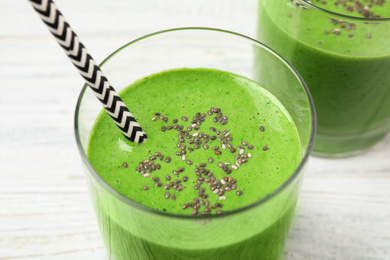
(312, 6)
(271, 195)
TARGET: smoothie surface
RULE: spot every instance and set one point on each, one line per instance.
(372, 9)
(216, 142)
(345, 35)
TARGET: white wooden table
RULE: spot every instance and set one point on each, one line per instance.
(45, 209)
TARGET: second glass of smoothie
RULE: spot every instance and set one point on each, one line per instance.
(341, 49)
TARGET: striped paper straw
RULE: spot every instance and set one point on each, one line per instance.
(88, 69)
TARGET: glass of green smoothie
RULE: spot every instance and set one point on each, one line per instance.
(220, 172)
(341, 49)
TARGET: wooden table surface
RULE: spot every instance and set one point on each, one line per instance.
(45, 209)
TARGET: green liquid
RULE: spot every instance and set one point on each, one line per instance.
(173, 94)
(266, 245)
(346, 72)
(356, 8)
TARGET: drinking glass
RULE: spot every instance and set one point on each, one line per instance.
(259, 230)
(345, 62)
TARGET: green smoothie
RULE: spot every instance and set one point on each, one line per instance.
(217, 142)
(345, 62)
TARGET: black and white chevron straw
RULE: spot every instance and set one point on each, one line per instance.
(89, 70)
